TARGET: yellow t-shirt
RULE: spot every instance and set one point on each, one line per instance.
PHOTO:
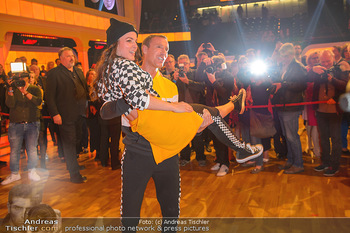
(167, 132)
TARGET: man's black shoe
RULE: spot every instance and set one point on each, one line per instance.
(78, 179)
(239, 101)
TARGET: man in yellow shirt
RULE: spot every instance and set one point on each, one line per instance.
(139, 163)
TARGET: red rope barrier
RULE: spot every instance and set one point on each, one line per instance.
(6, 114)
(291, 104)
(255, 106)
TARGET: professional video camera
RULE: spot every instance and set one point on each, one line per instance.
(19, 71)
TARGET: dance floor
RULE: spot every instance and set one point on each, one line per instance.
(238, 194)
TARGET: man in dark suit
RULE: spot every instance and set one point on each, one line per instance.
(67, 101)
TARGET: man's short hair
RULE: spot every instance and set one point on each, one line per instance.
(34, 60)
(337, 48)
(200, 54)
(64, 49)
(172, 56)
(287, 49)
(183, 56)
(218, 60)
(148, 39)
(26, 191)
(250, 51)
(308, 58)
(327, 52)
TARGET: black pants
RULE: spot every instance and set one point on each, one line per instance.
(70, 134)
(197, 145)
(138, 167)
(110, 130)
(329, 125)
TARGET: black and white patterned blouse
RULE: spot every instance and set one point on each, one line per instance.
(127, 80)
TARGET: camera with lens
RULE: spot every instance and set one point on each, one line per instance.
(181, 70)
(19, 71)
(210, 69)
(215, 66)
(18, 80)
(333, 71)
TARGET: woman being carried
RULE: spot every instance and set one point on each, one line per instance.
(126, 87)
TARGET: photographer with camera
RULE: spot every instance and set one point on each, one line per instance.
(190, 91)
(168, 69)
(219, 84)
(330, 82)
(294, 83)
(23, 100)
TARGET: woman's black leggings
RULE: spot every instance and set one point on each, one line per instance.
(220, 128)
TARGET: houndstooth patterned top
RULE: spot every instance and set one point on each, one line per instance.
(127, 80)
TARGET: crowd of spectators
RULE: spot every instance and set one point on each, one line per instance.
(294, 79)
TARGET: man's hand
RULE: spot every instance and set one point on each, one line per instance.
(182, 107)
(278, 86)
(184, 79)
(318, 69)
(57, 119)
(330, 77)
(211, 77)
(176, 75)
(208, 61)
(211, 47)
(207, 120)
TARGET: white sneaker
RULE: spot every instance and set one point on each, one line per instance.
(11, 178)
(32, 175)
(223, 170)
(215, 167)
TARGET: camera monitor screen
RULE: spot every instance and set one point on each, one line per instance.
(18, 67)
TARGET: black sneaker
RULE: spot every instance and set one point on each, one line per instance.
(330, 171)
(249, 152)
(239, 101)
(207, 148)
(78, 179)
(184, 162)
(321, 168)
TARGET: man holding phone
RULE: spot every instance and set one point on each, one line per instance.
(23, 100)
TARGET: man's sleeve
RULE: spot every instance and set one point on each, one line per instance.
(37, 96)
(51, 87)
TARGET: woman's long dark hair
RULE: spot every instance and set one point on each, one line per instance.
(106, 60)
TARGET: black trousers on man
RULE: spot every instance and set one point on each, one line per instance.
(70, 133)
(329, 126)
(138, 167)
